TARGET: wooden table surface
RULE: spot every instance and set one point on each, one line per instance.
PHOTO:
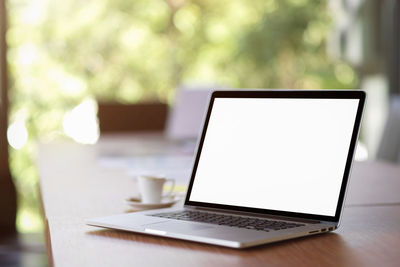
(75, 187)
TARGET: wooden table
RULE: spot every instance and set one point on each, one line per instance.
(74, 187)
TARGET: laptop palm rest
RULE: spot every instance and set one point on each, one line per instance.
(205, 230)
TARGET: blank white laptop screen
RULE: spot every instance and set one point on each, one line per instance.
(275, 153)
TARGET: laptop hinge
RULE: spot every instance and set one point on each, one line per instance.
(270, 216)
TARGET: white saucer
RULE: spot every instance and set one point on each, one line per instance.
(136, 203)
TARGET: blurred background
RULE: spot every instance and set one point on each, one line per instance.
(63, 57)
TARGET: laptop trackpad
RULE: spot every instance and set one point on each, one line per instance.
(205, 230)
(178, 227)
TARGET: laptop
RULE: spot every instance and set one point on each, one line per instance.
(270, 166)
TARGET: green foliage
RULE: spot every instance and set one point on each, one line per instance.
(61, 52)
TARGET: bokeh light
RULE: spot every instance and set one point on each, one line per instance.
(17, 134)
(81, 123)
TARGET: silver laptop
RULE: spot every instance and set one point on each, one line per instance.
(270, 166)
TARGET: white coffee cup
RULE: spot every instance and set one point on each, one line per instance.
(151, 188)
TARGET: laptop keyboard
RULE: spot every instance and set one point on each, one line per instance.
(228, 220)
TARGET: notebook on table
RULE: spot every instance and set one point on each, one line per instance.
(270, 165)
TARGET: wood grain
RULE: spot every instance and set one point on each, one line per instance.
(369, 236)
(75, 187)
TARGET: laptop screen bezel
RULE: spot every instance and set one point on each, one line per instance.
(293, 94)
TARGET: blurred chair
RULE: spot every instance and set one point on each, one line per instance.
(185, 119)
(389, 147)
(116, 117)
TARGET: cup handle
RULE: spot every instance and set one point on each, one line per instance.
(172, 187)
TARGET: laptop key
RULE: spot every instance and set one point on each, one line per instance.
(229, 220)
